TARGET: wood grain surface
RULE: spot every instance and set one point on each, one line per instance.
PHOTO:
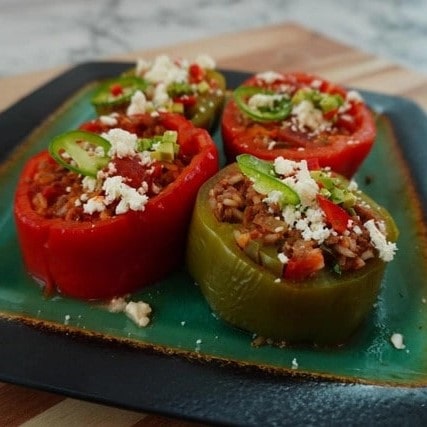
(282, 48)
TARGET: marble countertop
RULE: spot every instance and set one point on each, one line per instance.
(41, 34)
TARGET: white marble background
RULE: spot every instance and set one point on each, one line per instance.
(38, 34)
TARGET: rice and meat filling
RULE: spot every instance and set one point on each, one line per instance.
(59, 193)
(234, 200)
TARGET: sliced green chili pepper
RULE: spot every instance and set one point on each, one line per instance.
(279, 108)
(263, 176)
(116, 93)
(82, 152)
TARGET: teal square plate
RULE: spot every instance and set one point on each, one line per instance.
(187, 363)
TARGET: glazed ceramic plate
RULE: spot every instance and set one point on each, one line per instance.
(187, 362)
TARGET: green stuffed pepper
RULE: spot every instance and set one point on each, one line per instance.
(287, 252)
(194, 89)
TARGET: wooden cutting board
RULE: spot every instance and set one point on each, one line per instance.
(283, 48)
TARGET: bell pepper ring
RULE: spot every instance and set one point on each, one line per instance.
(246, 292)
(101, 258)
(317, 119)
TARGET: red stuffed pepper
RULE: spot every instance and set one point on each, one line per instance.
(298, 116)
(106, 210)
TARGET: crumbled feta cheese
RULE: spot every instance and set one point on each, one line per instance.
(261, 100)
(282, 258)
(385, 249)
(129, 197)
(138, 104)
(354, 96)
(108, 120)
(284, 166)
(89, 184)
(145, 158)
(160, 97)
(269, 76)
(312, 226)
(397, 341)
(316, 83)
(298, 177)
(94, 204)
(309, 117)
(273, 197)
(205, 61)
(123, 143)
(353, 186)
(294, 363)
(271, 145)
(138, 312)
(357, 229)
(117, 305)
(165, 70)
(142, 65)
(291, 215)
(67, 319)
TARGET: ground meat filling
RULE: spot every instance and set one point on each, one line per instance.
(234, 200)
(58, 193)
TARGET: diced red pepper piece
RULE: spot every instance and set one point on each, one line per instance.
(196, 73)
(186, 100)
(116, 89)
(300, 268)
(313, 164)
(336, 216)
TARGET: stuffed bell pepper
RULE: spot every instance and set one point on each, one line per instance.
(106, 209)
(195, 89)
(289, 253)
(298, 116)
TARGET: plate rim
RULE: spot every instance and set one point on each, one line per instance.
(203, 392)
